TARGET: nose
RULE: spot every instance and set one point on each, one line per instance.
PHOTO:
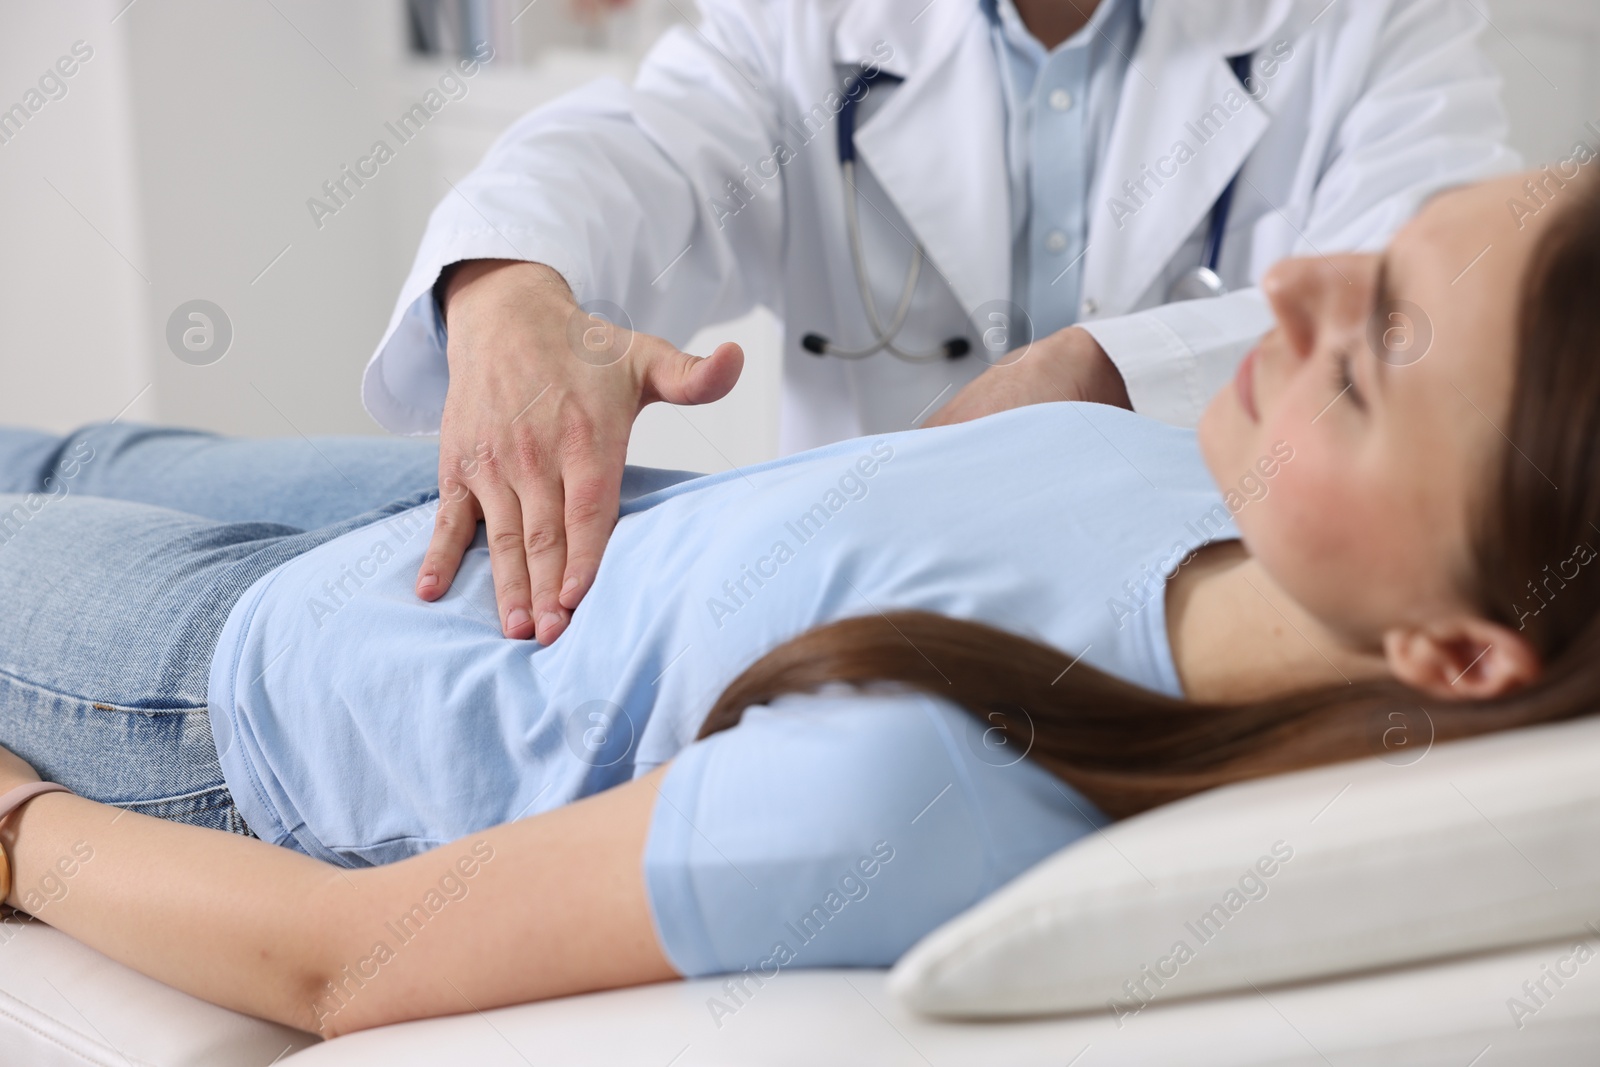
(1319, 297)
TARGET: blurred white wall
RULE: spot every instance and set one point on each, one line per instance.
(74, 272)
(178, 165)
(1548, 53)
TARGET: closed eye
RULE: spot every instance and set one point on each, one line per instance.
(1344, 380)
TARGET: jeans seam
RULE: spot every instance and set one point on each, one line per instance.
(98, 705)
(220, 787)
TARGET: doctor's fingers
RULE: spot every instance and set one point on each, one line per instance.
(592, 479)
(542, 547)
(508, 561)
(454, 526)
(679, 378)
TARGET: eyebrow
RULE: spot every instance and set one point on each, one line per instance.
(1383, 300)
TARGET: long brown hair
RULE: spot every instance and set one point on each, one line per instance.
(1127, 749)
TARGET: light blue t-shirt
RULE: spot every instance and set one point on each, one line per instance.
(361, 725)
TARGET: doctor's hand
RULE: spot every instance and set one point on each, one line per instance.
(534, 434)
(1067, 365)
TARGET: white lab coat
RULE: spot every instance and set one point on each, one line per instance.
(1371, 107)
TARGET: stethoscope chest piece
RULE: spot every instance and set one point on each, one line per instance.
(1201, 283)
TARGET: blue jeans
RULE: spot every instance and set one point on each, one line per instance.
(122, 550)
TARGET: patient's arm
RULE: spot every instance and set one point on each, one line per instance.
(554, 904)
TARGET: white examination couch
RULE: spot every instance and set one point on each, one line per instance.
(1440, 906)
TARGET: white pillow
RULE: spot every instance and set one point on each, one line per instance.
(1476, 844)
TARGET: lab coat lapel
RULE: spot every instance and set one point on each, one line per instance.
(1183, 129)
(937, 146)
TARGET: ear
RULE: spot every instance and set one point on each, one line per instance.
(1463, 658)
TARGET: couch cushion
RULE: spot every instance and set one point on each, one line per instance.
(1436, 1016)
(65, 1005)
(1425, 853)
(1445, 1015)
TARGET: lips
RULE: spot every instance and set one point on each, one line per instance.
(1244, 383)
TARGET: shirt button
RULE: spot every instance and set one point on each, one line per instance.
(1055, 240)
(1090, 307)
(1061, 100)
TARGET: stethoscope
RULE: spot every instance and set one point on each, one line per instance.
(1199, 283)
(1203, 281)
(883, 336)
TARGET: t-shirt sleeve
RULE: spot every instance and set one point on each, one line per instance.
(836, 830)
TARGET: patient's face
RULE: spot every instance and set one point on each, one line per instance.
(1395, 437)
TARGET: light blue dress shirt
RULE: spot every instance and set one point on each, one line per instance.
(1060, 106)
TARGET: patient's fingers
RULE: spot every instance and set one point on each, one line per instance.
(454, 526)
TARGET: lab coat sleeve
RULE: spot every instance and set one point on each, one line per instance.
(627, 191)
(1428, 117)
(1173, 358)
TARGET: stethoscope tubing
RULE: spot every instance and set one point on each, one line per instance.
(884, 334)
(1202, 280)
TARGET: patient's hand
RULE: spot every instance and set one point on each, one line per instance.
(535, 431)
(1067, 365)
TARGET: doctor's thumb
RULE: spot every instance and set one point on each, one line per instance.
(679, 378)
